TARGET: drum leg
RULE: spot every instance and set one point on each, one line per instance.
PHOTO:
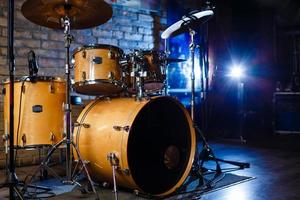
(85, 169)
(44, 166)
(114, 162)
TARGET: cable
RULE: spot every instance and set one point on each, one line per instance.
(19, 114)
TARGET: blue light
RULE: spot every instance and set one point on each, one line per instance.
(237, 71)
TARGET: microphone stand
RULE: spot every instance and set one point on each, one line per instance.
(12, 178)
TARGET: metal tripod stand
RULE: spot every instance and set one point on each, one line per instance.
(206, 153)
(11, 176)
(67, 140)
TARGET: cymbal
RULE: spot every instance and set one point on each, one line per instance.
(82, 13)
(173, 60)
(192, 21)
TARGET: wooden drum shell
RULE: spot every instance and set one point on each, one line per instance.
(116, 126)
(97, 70)
(41, 115)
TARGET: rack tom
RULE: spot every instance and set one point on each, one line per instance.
(97, 70)
(156, 70)
(153, 63)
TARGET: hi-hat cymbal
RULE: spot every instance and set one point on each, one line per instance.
(173, 60)
(82, 13)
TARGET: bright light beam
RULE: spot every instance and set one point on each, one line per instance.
(237, 71)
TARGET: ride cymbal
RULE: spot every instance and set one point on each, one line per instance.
(82, 13)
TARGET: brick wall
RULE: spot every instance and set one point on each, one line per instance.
(128, 29)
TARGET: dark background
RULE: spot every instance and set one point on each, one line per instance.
(263, 36)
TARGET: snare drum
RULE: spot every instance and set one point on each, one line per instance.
(38, 111)
(97, 70)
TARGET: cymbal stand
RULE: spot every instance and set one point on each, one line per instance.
(207, 153)
(206, 146)
(192, 54)
(70, 177)
(68, 41)
(12, 178)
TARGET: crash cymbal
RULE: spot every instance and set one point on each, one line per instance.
(82, 13)
(172, 60)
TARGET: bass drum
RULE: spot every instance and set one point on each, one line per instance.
(38, 113)
(153, 141)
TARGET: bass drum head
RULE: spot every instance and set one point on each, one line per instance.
(160, 146)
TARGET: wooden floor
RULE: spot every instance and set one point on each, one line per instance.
(277, 174)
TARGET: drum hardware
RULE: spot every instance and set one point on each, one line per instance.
(111, 54)
(67, 108)
(23, 138)
(52, 137)
(187, 24)
(138, 74)
(60, 15)
(44, 166)
(51, 87)
(84, 125)
(114, 162)
(11, 180)
(122, 128)
(83, 76)
(5, 139)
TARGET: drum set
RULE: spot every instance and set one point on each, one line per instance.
(132, 134)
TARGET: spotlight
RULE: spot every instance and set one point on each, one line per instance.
(236, 71)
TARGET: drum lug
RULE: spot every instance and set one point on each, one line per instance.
(113, 159)
(126, 171)
(111, 76)
(84, 54)
(24, 139)
(83, 75)
(111, 54)
(52, 137)
(77, 124)
(51, 88)
(122, 128)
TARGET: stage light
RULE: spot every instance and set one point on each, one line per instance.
(237, 71)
